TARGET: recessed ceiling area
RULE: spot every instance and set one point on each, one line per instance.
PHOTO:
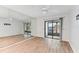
(40, 10)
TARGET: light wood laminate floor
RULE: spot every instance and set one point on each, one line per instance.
(20, 44)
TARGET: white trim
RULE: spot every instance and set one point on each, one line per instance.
(72, 47)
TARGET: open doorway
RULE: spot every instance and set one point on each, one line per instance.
(53, 29)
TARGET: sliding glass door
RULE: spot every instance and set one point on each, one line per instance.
(53, 29)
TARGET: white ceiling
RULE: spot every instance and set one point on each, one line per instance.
(37, 10)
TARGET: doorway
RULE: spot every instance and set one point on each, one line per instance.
(53, 29)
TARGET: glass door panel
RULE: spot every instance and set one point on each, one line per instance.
(53, 29)
(56, 30)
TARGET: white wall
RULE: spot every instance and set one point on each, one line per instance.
(15, 28)
(66, 28)
(40, 27)
(4, 12)
(74, 29)
(16, 25)
(33, 27)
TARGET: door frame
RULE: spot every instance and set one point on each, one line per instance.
(61, 25)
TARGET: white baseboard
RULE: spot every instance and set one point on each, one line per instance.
(11, 35)
(74, 50)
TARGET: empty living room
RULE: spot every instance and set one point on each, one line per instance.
(39, 28)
